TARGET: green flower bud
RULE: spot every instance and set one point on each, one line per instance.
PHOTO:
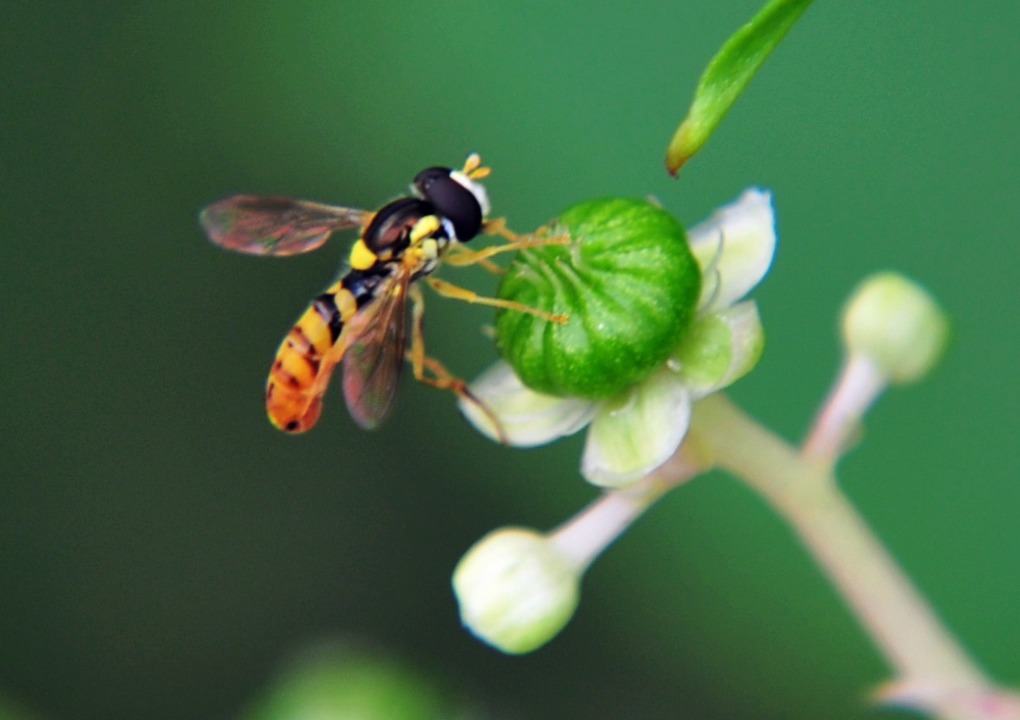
(896, 324)
(629, 285)
(343, 683)
(516, 590)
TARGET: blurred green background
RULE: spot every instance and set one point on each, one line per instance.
(163, 549)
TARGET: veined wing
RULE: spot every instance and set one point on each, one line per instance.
(275, 225)
(376, 354)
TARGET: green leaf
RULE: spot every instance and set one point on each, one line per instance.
(728, 74)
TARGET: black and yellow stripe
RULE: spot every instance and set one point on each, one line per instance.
(307, 356)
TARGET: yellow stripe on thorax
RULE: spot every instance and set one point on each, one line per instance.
(361, 257)
(425, 227)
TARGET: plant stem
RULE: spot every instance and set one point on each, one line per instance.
(925, 656)
(587, 534)
(857, 387)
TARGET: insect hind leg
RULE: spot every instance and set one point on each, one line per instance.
(433, 373)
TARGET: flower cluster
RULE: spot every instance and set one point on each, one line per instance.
(639, 428)
(517, 588)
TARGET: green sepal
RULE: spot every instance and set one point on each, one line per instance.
(629, 285)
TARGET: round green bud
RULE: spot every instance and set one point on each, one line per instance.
(337, 682)
(626, 280)
(897, 324)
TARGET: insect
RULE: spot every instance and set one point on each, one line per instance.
(361, 319)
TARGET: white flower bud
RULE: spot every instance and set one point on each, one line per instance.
(896, 324)
(516, 590)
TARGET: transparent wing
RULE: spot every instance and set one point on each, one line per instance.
(275, 225)
(376, 355)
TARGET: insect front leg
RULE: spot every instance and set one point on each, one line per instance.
(514, 242)
(460, 256)
(432, 372)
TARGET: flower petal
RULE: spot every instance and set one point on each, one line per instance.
(526, 417)
(719, 349)
(734, 248)
(637, 431)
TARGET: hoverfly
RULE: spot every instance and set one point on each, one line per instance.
(361, 319)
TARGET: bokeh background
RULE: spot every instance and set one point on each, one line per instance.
(163, 550)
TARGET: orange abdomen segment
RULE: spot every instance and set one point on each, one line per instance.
(304, 363)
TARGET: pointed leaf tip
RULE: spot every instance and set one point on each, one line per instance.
(728, 74)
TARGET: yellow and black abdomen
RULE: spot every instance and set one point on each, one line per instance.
(305, 361)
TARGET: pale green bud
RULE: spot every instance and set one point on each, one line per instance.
(340, 682)
(897, 325)
(516, 590)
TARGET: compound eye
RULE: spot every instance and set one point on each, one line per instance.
(390, 229)
(451, 200)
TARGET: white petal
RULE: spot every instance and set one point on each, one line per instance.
(526, 417)
(636, 432)
(720, 348)
(734, 248)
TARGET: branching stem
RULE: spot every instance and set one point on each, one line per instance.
(933, 671)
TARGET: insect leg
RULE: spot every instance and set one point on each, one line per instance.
(438, 376)
(515, 242)
(498, 227)
(455, 292)
(468, 257)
